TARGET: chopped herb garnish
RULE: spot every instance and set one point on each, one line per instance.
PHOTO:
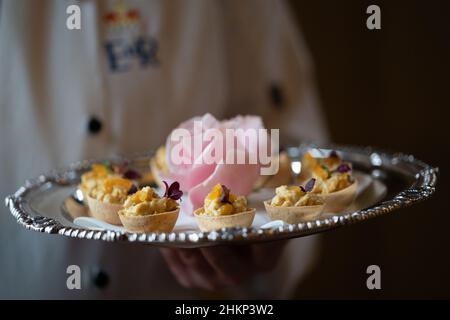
(324, 167)
(108, 165)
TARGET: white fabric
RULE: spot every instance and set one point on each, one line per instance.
(212, 56)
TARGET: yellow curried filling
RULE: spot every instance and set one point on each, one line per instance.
(146, 202)
(336, 182)
(94, 177)
(294, 196)
(111, 190)
(213, 205)
(328, 180)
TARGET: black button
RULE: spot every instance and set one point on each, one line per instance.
(100, 279)
(276, 96)
(94, 125)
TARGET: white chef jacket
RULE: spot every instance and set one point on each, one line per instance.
(119, 85)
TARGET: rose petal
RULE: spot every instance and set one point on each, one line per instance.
(208, 122)
(189, 178)
(200, 178)
(238, 177)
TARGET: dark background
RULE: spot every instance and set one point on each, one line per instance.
(392, 84)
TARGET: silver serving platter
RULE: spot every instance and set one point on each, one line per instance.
(41, 204)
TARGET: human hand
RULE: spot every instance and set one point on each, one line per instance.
(214, 268)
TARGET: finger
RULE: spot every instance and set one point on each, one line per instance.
(177, 267)
(203, 275)
(231, 267)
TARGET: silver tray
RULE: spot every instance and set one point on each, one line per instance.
(49, 202)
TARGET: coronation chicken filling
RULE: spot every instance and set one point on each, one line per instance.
(294, 196)
(326, 171)
(95, 176)
(328, 183)
(146, 202)
(111, 190)
(219, 202)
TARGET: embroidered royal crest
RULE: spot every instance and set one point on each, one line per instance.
(121, 16)
(128, 45)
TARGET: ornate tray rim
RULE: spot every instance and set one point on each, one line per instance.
(424, 186)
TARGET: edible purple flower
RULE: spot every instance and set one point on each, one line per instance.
(225, 196)
(343, 168)
(133, 189)
(309, 186)
(127, 173)
(173, 191)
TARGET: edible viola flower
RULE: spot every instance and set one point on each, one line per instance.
(173, 191)
(127, 173)
(133, 189)
(309, 186)
(343, 168)
(225, 196)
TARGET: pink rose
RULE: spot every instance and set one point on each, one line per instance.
(188, 162)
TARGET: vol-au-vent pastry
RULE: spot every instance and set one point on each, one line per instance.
(222, 209)
(146, 211)
(100, 171)
(146, 201)
(334, 181)
(107, 198)
(295, 204)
